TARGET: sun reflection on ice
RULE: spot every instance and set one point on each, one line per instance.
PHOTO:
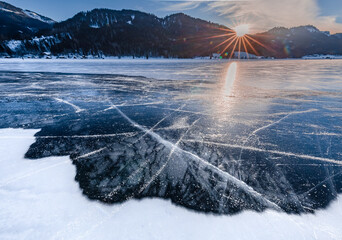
(230, 78)
(222, 101)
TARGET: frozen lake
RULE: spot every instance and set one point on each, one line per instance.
(212, 136)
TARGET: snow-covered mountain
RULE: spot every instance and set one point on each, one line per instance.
(300, 41)
(124, 33)
(134, 33)
(16, 23)
(39, 17)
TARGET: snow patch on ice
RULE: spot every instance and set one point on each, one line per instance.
(41, 200)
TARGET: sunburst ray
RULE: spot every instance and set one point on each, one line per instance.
(244, 45)
(238, 39)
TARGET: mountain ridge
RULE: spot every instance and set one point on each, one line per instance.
(16, 23)
(107, 32)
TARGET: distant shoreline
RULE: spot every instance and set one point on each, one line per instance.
(323, 57)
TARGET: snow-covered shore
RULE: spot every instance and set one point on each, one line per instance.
(41, 200)
(320, 56)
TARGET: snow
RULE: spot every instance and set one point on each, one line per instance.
(29, 14)
(95, 25)
(41, 200)
(37, 16)
(42, 38)
(245, 55)
(322, 56)
(7, 10)
(14, 44)
(45, 41)
(311, 29)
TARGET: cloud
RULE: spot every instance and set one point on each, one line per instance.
(182, 6)
(266, 14)
(263, 14)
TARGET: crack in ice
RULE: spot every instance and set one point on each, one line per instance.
(289, 154)
(174, 148)
(77, 108)
(248, 189)
(272, 124)
(91, 153)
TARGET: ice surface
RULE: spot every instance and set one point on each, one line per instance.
(41, 200)
(213, 136)
(173, 69)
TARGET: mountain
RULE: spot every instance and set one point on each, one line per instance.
(122, 33)
(16, 23)
(134, 33)
(299, 41)
(129, 32)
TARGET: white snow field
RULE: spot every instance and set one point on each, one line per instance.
(40, 200)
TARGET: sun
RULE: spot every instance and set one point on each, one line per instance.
(236, 39)
(241, 30)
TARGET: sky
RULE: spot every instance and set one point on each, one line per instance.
(260, 14)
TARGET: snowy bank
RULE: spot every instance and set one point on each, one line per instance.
(319, 56)
(41, 200)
